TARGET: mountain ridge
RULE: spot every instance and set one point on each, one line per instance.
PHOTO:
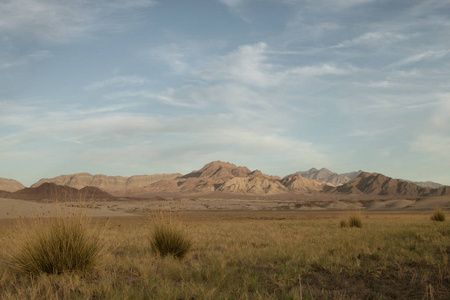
(52, 192)
(227, 178)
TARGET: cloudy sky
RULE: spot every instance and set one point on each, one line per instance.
(144, 87)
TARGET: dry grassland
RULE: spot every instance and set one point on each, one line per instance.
(245, 255)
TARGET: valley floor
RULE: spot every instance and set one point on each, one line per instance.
(13, 208)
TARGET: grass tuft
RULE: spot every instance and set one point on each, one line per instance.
(168, 238)
(353, 221)
(438, 215)
(64, 243)
(344, 224)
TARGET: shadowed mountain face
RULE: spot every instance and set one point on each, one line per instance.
(328, 176)
(379, 184)
(10, 185)
(57, 193)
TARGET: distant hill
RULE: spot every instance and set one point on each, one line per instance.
(115, 185)
(429, 184)
(379, 184)
(338, 179)
(328, 176)
(10, 185)
(54, 192)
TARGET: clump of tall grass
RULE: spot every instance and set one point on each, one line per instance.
(438, 215)
(53, 245)
(353, 221)
(344, 223)
(168, 237)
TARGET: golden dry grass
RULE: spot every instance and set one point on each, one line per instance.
(261, 256)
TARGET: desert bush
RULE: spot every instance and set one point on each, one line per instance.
(344, 223)
(168, 238)
(63, 243)
(438, 215)
(355, 221)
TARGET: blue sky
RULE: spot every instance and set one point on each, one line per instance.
(145, 87)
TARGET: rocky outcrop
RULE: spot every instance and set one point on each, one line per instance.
(10, 185)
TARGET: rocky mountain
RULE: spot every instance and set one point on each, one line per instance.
(352, 175)
(328, 176)
(379, 184)
(221, 177)
(229, 178)
(10, 185)
(52, 192)
(298, 183)
(115, 185)
(429, 184)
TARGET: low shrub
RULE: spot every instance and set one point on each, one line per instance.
(355, 221)
(438, 215)
(344, 224)
(64, 243)
(168, 238)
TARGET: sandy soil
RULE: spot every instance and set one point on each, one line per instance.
(12, 208)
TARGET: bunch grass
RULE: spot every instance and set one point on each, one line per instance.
(354, 220)
(438, 215)
(168, 237)
(64, 242)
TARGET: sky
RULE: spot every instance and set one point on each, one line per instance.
(145, 87)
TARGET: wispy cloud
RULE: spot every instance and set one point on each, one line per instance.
(56, 21)
(376, 38)
(430, 55)
(24, 60)
(117, 81)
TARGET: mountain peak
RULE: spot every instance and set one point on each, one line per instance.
(219, 170)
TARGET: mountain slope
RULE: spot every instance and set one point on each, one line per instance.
(115, 185)
(54, 192)
(10, 185)
(328, 176)
(225, 177)
(298, 183)
(379, 184)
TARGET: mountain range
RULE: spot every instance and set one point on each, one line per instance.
(338, 179)
(222, 178)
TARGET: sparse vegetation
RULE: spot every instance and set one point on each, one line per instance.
(168, 238)
(261, 255)
(353, 221)
(438, 215)
(344, 223)
(63, 243)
